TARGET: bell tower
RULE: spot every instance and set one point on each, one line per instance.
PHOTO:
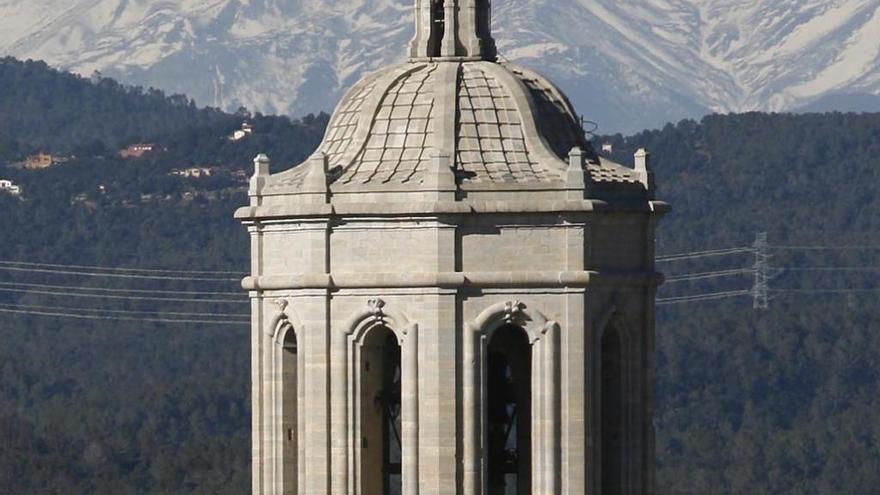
(454, 295)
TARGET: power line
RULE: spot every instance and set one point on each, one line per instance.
(826, 248)
(119, 318)
(119, 269)
(117, 290)
(825, 291)
(707, 275)
(703, 254)
(122, 312)
(127, 298)
(831, 269)
(116, 275)
(702, 297)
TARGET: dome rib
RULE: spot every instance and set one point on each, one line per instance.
(535, 141)
(492, 138)
(399, 143)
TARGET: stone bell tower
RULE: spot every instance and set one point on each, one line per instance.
(455, 293)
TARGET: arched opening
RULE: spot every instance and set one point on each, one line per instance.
(289, 415)
(380, 403)
(613, 411)
(438, 26)
(482, 13)
(508, 408)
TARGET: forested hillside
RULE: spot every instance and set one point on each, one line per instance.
(784, 400)
(777, 401)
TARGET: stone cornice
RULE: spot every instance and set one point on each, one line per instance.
(290, 211)
(537, 279)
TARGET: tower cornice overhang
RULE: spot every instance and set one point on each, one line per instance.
(445, 208)
(456, 280)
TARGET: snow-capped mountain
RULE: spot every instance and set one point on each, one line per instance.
(627, 64)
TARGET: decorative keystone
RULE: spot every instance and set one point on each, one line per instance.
(643, 169)
(513, 310)
(376, 306)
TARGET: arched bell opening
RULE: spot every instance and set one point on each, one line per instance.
(380, 410)
(482, 21)
(289, 413)
(613, 411)
(438, 26)
(508, 411)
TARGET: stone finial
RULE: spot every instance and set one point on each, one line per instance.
(317, 179)
(643, 169)
(261, 173)
(261, 165)
(575, 175)
(453, 29)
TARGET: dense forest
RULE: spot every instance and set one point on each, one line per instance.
(778, 401)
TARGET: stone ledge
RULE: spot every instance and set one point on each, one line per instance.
(291, 211)
(448, 280)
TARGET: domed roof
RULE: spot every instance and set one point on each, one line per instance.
(452, 109)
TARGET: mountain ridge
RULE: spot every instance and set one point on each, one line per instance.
(627, 65)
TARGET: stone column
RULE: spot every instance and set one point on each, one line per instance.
(537, 420)
(338, 411)
(470, 416)
(551, 404)
(302, 407)
(450, 33)
(257, 338)
(271, 418)
(573, 388)
(410, 411)
(317, 385)
(437, 395)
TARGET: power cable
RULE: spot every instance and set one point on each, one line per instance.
(703, 254)
(702, 297)
(825, 291)
(127, 298)
(708, 275)
(826, 248)
(123, 312)
(118, 269)
(117, 290)
(120, 318)
(116, 275)
(831, 269)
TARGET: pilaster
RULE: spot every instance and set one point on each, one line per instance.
(313, 307)
(438, 383)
